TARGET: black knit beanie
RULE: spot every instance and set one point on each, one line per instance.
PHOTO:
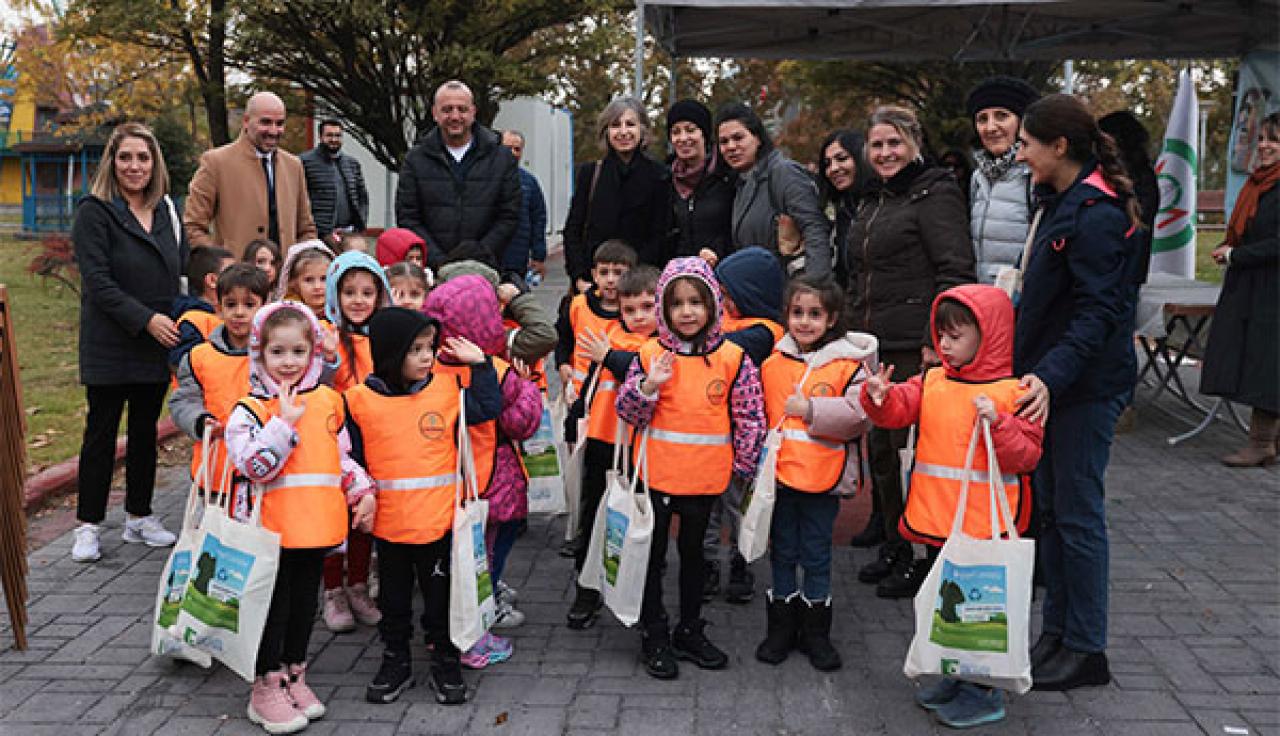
(392, 331)
(1010, 93)
(694, 112)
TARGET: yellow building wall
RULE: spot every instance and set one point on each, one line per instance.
(22, 122)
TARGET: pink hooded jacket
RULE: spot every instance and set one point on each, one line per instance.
(467, 306)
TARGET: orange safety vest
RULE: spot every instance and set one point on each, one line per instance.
(735, 324)
(484, 436)
(691, 435)
(416, 472)
(353, 372)
(581, 319)
(304, 503)
(224, 380)
(947, 415)
(540, 367)
(203, 321)
(806, 463)
(602, 415)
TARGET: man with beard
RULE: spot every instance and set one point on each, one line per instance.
(249, 188)
(339, 200)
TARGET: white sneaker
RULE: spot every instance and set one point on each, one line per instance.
(507, 593)
(149, 531)
(507, 616)
(85, 548)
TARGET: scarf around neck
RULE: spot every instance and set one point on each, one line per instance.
(1246, 207)
(995, 167)
(686, 178)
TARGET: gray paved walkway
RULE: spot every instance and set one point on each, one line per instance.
(1195, 618)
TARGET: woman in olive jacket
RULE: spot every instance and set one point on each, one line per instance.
(908, 243)
(130, 251)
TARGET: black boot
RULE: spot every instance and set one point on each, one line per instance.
(656, 654)
(711, 580)
(742, 584)
(570, 547)
(872, 534)
(815, 635)
(446, 675)
(690, 643)
(1046, 646)
(782, 616)
(1068, 669)
(873, 572)
(395, 675)
(585, 609)
(908, 574)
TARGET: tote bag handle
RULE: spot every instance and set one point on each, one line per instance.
(999, 509)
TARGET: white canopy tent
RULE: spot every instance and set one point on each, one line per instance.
(963, 30)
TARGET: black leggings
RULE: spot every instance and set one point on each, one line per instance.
(596, 461)
(293, 609)
(694, 512)
(399, 565)
(98, 450)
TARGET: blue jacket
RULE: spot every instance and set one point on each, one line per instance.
(530, 240)
(1075, 318)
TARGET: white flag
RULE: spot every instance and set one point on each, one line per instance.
(1173, 244)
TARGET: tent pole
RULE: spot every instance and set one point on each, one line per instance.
(639, 93)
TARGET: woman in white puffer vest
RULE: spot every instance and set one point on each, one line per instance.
(1000, 207)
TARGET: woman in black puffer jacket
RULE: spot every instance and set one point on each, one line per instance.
(908, 242)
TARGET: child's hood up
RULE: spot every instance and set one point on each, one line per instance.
(691, 268)
(994, 311)
(467, 306)
(260, 384)
(351, 260)
(394, 243)
(291, 258)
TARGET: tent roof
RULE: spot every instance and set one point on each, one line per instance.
(964, 30)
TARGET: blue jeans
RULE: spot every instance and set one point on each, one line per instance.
(504, 538)
(1073, 549)
(801, 536)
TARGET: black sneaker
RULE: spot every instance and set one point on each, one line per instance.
(446, 678)
(872, 534)
(690, 643)
(906, 579)
(710, 580)
(742, 584)
(585, 609)
(569, 548)
(882, 567)
(657, 655)
(395, 675)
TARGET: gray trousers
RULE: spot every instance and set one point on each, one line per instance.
(727, 511)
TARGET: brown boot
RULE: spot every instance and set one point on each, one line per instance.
(1261, 450)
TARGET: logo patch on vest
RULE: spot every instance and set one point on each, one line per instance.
(431, 425)
(331, 423)
(716, 392)
(822, 389)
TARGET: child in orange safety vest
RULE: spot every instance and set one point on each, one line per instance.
(699, 397)
(811, 385)
(286, 437)
(611, 355)
(972, 327)
(404, 428)
(355, 286)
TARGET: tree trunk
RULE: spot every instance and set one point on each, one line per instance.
(215, 89)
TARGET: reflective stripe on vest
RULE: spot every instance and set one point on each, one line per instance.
(691, 433)
(807, 463)
(947, 415)
(410, 444)
(305, 503)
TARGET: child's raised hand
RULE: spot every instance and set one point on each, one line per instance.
(797, 405)
(507, 292)
(659, 373)
(463, 350)
(595, 345)
(291, 407)
(366, 509)
(522, 369)
(878, 385)
(986, 407)
(329, 346)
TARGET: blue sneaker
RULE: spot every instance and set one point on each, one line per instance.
(973, 705)
(933, 697)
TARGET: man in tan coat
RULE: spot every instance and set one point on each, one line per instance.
(249, 188)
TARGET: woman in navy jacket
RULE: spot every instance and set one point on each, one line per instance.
(1073, 346)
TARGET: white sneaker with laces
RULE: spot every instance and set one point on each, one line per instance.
(507, 616)
(85, 548)
(149, 531)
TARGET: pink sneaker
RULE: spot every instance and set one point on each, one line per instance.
(362, 605)
(477, 657)
(271, 707)
(337, 611)
(304, 698)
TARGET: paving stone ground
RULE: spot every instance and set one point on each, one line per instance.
(1195, 638)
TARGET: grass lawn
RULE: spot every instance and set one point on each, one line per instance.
(1206, 269)
(47, 319)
